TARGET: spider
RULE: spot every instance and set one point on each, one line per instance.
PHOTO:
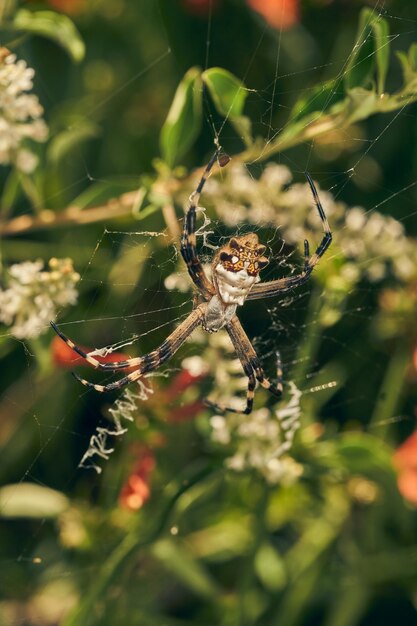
(235, 270)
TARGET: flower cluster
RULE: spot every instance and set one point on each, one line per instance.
(34, 295)
(372, 245)
(20, 113)
(220, 362)
(261, 441)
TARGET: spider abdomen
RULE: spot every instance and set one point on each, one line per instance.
(234, 287)
(218, 314)
(232, 290)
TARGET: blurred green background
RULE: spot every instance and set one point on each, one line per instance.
(166, 534)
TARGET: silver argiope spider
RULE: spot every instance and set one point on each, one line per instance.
(235, 270)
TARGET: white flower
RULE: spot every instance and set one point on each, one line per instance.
(356, 218)
(26, 161)
(376, 243)
(34, 295)
(221, 433)
(261, 441)
(20, 113)
(276, 176)
(195, 365)
(178, 281)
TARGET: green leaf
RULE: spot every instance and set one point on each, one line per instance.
(183, 122)
(360, 104)
(382, 50)
(270, 568)
(228, 92)
(364, 454)
(405, 65)
(409, 66)
(371, 51)
(101, 192)
(243, 126)
(64, 142)
(229, 96)
(11, 191)
(412, 56)
(30, 500)
(55, 26)
(184, 566)
(318, 100)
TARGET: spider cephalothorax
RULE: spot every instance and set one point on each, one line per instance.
(236, 278)
(243, 252)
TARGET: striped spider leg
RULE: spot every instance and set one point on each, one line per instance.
(188, 239)
(144, 364)
(251, 367)
(275, 287)
(235, 279)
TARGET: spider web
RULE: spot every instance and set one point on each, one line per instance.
(211, 234)
(137, 282)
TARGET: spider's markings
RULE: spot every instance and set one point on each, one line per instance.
(150, 361)
(283, 285)
(188, 239)
(236, 269)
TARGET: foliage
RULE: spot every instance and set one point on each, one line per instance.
(303, 512)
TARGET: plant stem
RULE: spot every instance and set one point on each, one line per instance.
(391, 390)
(114, 209)
(133, 542)
(246, 583)
(6, 8)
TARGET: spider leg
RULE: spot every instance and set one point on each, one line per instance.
(247, 355)
(274, 287)
(117, 365)
(188, 239)
(250, 394)
(252, 368)
(154, 359)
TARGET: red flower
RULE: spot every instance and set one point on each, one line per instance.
(186, 412)
(71, 7)
(137, 489)
(200, 7)
(64, 356)
(181, 382)
(281, 14)
(405, 460)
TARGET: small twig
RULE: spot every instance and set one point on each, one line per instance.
(119, 207)
(113, 209)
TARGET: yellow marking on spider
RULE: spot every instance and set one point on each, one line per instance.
(134, 375)
(236, 268)
(92, 361)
